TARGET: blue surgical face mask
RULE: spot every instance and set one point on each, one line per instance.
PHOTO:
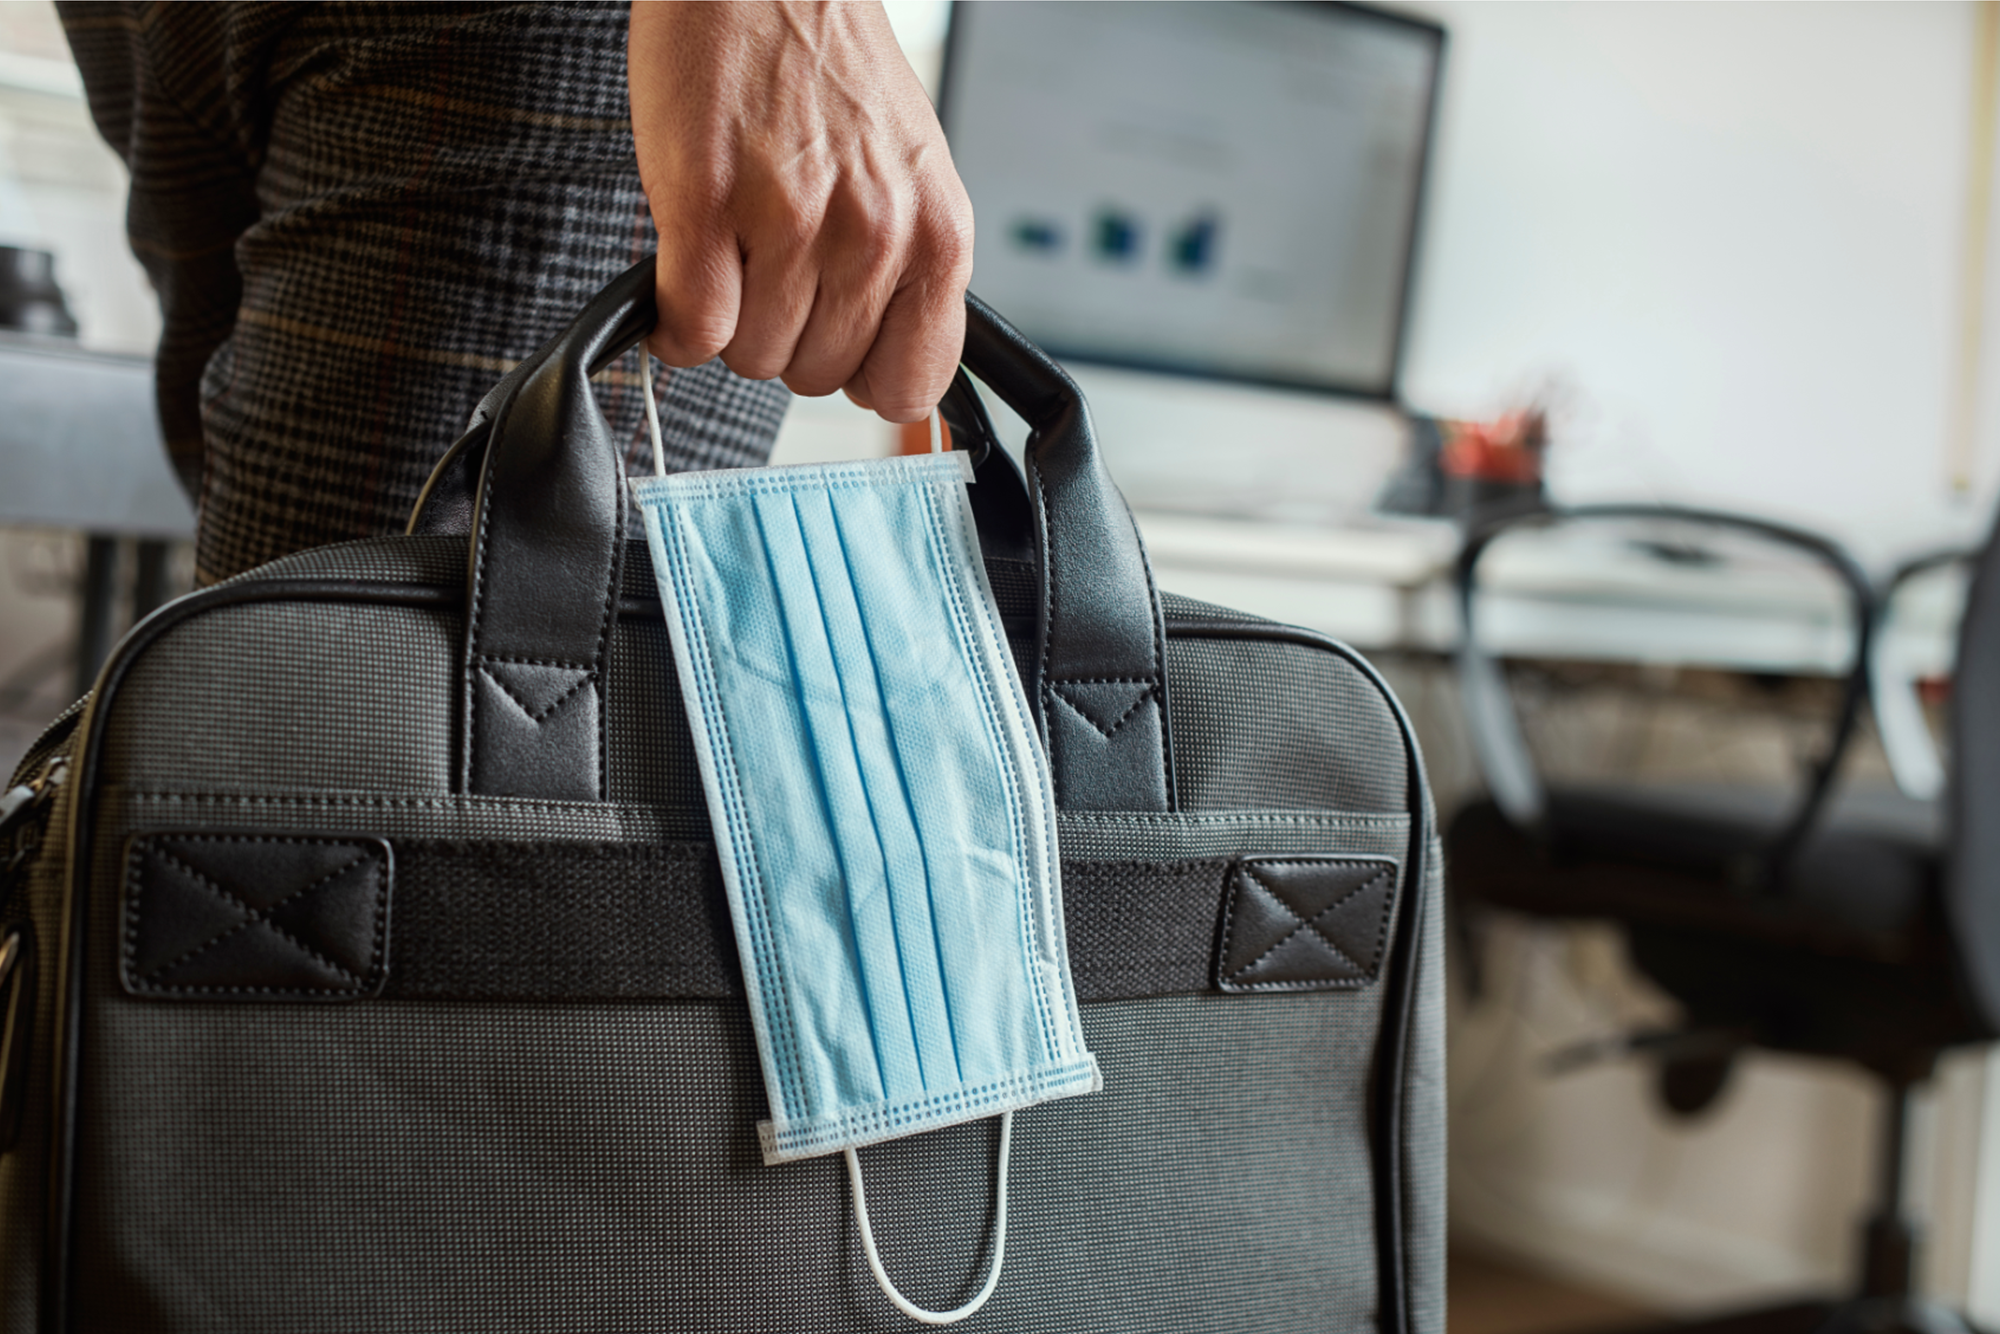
(879, 795)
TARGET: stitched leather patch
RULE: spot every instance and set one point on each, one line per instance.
(1304, 923)
(255, 917)
(1105, 705)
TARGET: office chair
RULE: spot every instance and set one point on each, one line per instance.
(1817, 922)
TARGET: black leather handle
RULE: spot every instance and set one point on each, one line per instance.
(1100, 680)
(548, 540)
(546, 518)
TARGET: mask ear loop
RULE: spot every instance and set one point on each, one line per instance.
(652, 411)
(897, 1299)
(937, 432)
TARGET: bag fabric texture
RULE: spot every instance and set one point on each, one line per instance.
(371, 964)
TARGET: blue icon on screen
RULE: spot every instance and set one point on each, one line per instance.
(1037, 236)
(1191, 248)
(1116, 237)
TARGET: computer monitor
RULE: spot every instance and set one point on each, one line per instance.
(1226, 190)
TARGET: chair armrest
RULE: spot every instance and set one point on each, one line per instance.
(1913, 756)
(1498, 744)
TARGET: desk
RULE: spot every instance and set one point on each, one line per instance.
(1385, 584)
(1375, 585)
(80, 448)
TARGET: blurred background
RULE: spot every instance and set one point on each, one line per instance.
(1344, 286)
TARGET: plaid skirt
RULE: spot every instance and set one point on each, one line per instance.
(357, 217)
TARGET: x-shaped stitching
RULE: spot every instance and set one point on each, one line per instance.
(258, 917)
(1305, 924)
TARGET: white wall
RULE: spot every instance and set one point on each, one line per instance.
(1733, 231)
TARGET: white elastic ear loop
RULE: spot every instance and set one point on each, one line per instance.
(897, 1299)
(652, 411)
(937, 432)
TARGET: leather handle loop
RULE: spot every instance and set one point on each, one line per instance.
(1100, 681)
(547, 517)
(548, 543)
(1027, 379)
(630, 293)
(444, 506)
(1000, 499)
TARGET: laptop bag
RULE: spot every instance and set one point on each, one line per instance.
(366, 965)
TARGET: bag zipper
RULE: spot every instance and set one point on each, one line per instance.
(24, 814)
(52, 736)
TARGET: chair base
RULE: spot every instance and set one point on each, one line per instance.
(1895, 1315)
(1862, 1315)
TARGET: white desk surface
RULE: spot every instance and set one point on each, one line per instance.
(80, 443)
(1386, 584)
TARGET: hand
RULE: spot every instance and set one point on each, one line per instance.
(811, 225)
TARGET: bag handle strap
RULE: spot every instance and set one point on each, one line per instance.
(543, 566)
(547, 529)
(1100, 682)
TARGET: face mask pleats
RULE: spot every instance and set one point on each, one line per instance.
(880, 797)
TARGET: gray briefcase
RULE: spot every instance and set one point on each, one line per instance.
(366, 966)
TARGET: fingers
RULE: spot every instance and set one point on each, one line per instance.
(850, 300)
(811, 224)
(699, 290)
(889, 321)
(780, 281)
(916, 346)
(864, 253)
(915, 352)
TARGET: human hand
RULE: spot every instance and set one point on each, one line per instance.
(811, 225)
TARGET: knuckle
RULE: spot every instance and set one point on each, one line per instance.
(952, 251)
(811, 383)
(756, 358)
(877, 252)
(691, 338)
(750, 366)
(900, 399)
(950, 233)
(788, 224)
(696, 304)
(939, 270)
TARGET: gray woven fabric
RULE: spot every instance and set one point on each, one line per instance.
(431, 562)
(435, 1166)
(1193, 609)
(328, 710)
(594, 1168)
(1284, 726)
(647, 721)
(357, 216)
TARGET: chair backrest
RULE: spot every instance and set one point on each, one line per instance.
(1972, 887)
(1493, 728)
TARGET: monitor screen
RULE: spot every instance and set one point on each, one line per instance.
(1219, 189)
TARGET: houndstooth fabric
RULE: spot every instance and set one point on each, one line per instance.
(358, 216)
